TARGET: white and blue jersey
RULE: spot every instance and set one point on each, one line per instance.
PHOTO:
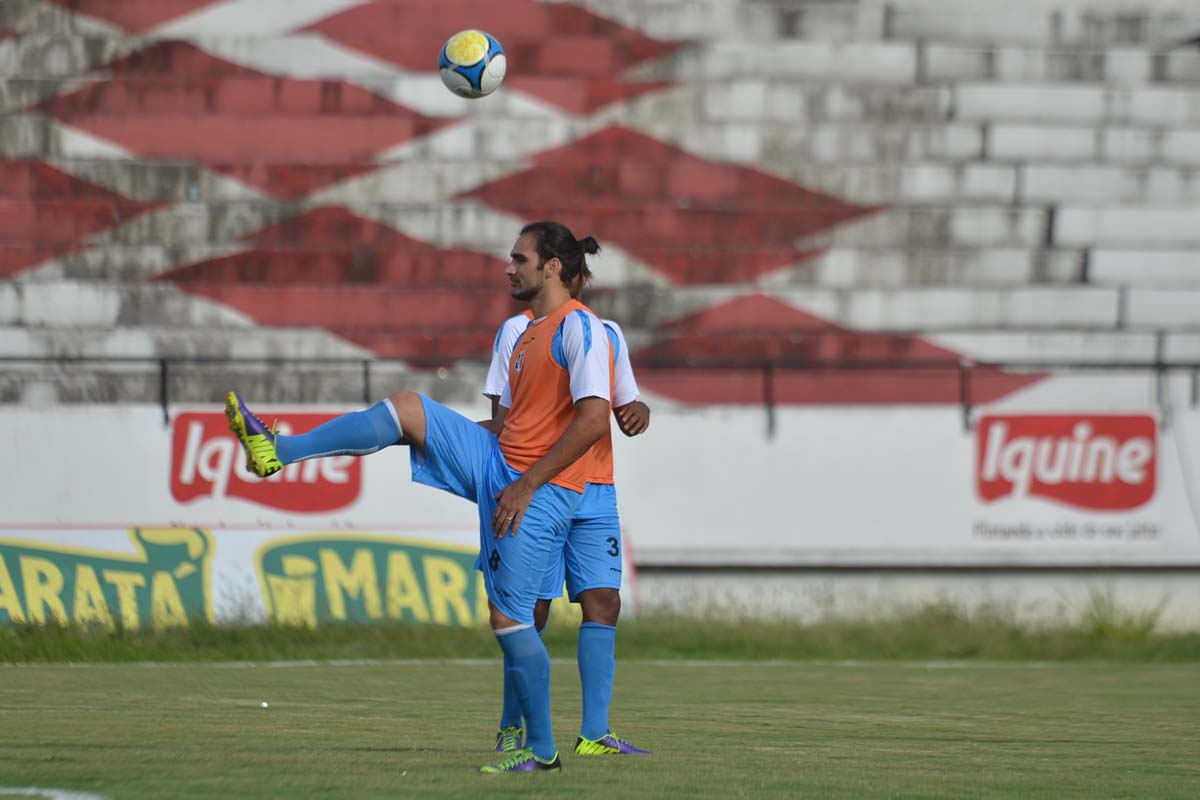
(624, 388)
(591, 556)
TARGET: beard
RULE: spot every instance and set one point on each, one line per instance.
(524, 293)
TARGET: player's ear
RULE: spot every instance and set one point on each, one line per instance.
(554, 267)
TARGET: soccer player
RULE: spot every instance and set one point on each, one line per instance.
(529, 478)
(591, 557)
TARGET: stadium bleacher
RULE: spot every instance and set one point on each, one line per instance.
(884, 180)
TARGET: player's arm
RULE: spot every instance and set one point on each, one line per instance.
(589, 425)
(587, 363)
(633, 416)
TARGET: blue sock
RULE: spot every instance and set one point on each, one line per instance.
(510, 713)
(358, 433)
(597, 664)
(527, 665)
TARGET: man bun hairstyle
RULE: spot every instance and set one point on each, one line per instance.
(555, 240)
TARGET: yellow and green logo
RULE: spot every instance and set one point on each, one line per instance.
(320, 579)
(166, 584)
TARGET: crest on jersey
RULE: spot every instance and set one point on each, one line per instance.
(520, 362)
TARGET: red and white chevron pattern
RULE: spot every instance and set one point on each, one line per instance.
(305, 151)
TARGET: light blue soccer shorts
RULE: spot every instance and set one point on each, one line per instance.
(591, 557)
(464, 458)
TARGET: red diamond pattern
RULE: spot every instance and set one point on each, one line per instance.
(137, 16)
(46, 213)
(758, 328)
(574, 53)
(365, 282)
(282, 135)
(696, 221)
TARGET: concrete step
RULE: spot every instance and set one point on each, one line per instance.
(1158, 227)
(1175, 309)
(55, 54)
(132, 341)
(473, 312)
(866, 268)
(1138, 106)
(1119, 185)
(705, 228)
(50, 55)
(897, 62)
(1044, 21)
(839, 62)
(842, 266)
(1021, 21)
(839, 267)
(751, 98)
(305, 347)
(1114, 65)
(1084, 144)
(1144, 268)
(72, 304)
(198, 384)
(1087, 347)
(911, 310)
(873, 167)
(37, 380)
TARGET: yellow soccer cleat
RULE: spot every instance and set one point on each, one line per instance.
(257, 439)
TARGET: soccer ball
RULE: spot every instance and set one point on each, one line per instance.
(472, 64)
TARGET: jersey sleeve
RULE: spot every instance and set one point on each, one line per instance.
(586, 348)
(506, 340)
(625, 388)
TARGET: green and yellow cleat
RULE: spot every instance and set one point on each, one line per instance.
(607, 745)
(523, 761)
(257, 439)
(510, 739)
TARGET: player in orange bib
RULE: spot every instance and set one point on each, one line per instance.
(590, 562)
(527, 482)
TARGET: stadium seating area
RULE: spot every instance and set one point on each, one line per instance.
(889, 182)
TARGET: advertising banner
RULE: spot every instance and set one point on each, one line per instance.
(110, 516)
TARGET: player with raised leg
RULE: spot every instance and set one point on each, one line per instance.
(529, 479)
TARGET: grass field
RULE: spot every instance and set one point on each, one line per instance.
(723, 729)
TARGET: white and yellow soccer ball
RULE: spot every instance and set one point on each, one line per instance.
(472, 64)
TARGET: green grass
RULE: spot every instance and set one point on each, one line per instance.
(786, 730)
(931, 633)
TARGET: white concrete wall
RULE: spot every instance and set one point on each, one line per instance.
(1042, 598)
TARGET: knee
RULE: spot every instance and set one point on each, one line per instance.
(541, 614)
(406, 404)
(601, 605)
(499, 620)
(410, 412)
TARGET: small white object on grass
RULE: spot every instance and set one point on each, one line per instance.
(264, 704)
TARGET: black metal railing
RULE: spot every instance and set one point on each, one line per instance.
(965, 371)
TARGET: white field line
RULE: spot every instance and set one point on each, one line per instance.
(478, 662)
(48, 794)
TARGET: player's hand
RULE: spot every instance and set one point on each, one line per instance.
(511, 503)
(633, 418)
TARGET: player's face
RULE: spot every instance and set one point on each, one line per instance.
(526, 274)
